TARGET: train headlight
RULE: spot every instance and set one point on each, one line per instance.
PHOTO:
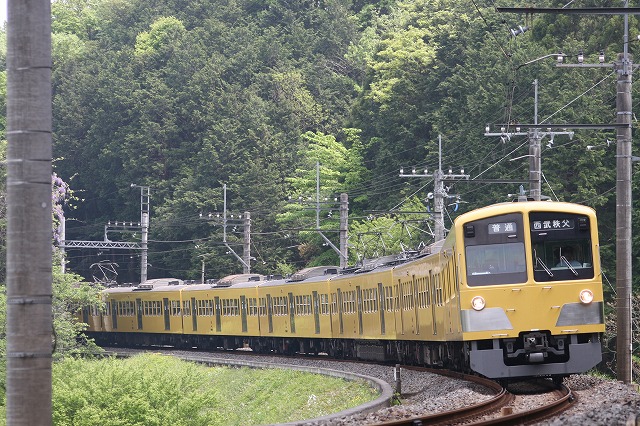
(478, 303)
(586, 296)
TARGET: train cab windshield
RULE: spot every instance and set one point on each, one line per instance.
(561, 247)
(495, 251)
(500, 264)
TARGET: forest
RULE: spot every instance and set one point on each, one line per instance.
(186, 98)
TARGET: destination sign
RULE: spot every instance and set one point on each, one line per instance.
(559, 224)
(502, 228)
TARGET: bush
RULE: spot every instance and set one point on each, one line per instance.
(159, 390)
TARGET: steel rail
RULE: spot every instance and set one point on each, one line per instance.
(501, 398)
(561, 404)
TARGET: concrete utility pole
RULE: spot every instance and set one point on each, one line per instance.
(624, 159)
(344, 213)
(145, 194)
(535, 138)
(29, 224)
(246, 267)
(344, 229)
(246, 258)
(439, 194)
(246, 243)
(623, 214)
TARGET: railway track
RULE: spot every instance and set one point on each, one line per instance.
(502, 407)
(499, 409)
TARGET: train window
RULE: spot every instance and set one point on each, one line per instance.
(423, 292)
(388, 296)
(396, 298)
(280, 306)
(303, 305)
(410, 300)
(374, 296)
(186, 307)
(561, 246)
(152, 308)
(205, 307)
(369, 300)
(126, 308)
(495, 252)
(350, 299)
(562, 260)
(439, 298)
(456, 272)
(324, 304)
(253, 306)
(493, 264)
(175, 308)
(348, 302)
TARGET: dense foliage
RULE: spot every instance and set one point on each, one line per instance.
(185, 97)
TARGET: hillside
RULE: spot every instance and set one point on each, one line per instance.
(185, 97)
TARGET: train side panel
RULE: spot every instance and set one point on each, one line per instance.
(275, 309)
(429, 294)
(120, 315)
(223, 311)
(158, 310)
(363, 306)
(239, 310)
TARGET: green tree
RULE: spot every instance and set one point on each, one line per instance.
(328, 165)
(391, 233)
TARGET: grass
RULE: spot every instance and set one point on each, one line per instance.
(158, 390)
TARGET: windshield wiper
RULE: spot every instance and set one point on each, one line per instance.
(566, 262)
(541, 263)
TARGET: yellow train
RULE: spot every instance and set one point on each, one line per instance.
(514, 290)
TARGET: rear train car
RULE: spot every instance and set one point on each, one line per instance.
(137, 315)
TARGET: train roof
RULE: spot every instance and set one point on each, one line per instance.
(314, 271)
(192, 287)
(248, 284)
(386, 262)
(238, 278)
(159, 282)
(525, 207)
(279, 282)
(122, 289)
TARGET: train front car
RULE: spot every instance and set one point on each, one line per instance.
(531, 301)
